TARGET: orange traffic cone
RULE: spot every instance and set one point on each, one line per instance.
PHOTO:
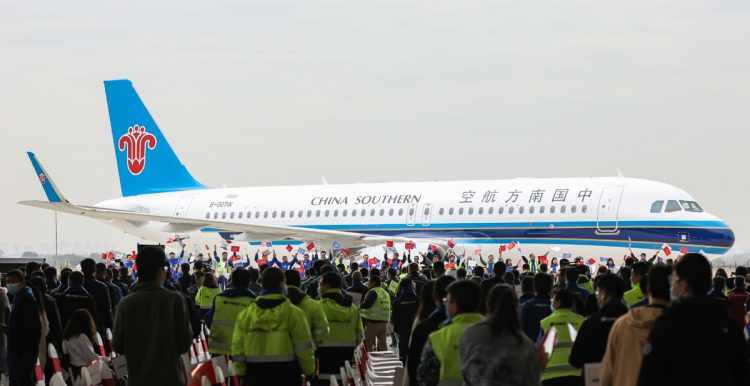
(199, 353)
(57, 378)
(204, 342)
(39, 374)
(207, 372)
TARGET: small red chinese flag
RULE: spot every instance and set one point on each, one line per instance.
(451, 244)
(667, 249)
(289, 248)
(410, 245)
(543, 259)
(683, 250)
(503, 248)
(389, 243)
(591, 261)
(235, 248)
(310, 246)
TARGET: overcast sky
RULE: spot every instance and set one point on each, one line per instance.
(283, 92)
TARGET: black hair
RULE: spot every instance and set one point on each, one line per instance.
(466, 294)
(640, 268)
(611, 284)
(543, 284)
(88, 267)
(695, 269)
(101, 268)
(292, 277)
(719, 282)
(658, 281)
(150, 262)
(209, 280)
(80, 322)
(527, 284)
(502, 307)
(571, 274)
(441, 285)
(240, 278)
(332, 280)
(33, 266)
(75, 279)
(739, 282)
(426, 301)
(499, 267)
(50, 273)
(254, 274)
(185, 268)
(461, 273)
(564, 298)
(478, 271)
(17, 274)
(272, 279)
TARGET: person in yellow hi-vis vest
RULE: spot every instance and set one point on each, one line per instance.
(558, 370)
(271, 343)
(223, 315)
(316, 319)
(346, 326)
(441, 362)
(376, 313)
(208, 290)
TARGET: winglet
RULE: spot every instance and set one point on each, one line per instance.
(53, 194)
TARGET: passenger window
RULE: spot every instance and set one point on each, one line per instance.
(584, 208)
(231, 215)
(573, 209)
(672, 206)
(541, 210)
(372, 212)
(426, 211)
(390, 212)
(411, 211)
(480, 210)
(317, 213)
(335, 213)
(450, 211)
(354, 213)
(224, 215)
(239, 214)
(657, 206)
(441, 211)
(562, 208)
(510, 210)
(382, 212)
(273, 214)
(460, 211)
(257, 214)
(362, 213)
(531, 210)
(327, 213)
(401, 211)
(552, 209)
(309, 213)
(345, 212)
(208, 215)
(500, 210)
(283, 212)
(520, 210)
(471, 211)
(291, 214)
(490, 210)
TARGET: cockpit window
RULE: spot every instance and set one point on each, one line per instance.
(672, 206)
(657, 206)
(691, 206)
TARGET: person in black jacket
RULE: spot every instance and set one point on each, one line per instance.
(591, 342)
(24, 331)
(424, 328)
(694, 342)
(498, 269)
(73, 298)
(100, 292)
(538, 307)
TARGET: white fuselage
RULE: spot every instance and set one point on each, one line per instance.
(589, 217)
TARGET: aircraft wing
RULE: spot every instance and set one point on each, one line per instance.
(250, 231)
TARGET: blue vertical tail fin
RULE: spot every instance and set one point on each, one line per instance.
(146, 162)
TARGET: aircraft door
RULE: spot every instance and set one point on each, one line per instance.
(183, 205)
(426, 215)
(607, 213)
(411, 215)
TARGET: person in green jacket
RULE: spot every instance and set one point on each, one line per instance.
(346, 326)
(271, 343)
(635, 295)
(558, 370)
(441, 362)
(204, 298)
(316, 319)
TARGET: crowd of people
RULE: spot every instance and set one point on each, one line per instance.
(288, 321)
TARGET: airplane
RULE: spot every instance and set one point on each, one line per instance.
(598, 217)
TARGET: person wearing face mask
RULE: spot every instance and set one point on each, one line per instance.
(287, 350)
(694, 342)
(24, 330)
(591, 341)
(152, 326)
